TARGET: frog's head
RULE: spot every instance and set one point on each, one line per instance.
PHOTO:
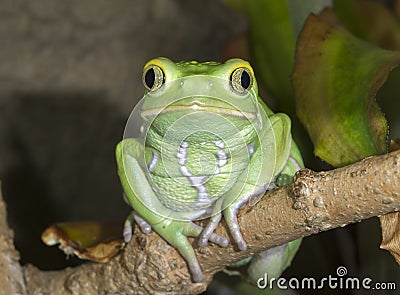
(227, 88)
(175, 89)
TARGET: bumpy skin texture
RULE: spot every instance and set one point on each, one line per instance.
(206, 155)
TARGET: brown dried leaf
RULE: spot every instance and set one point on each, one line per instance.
(93, 241)
(394, 145)
(390, 223)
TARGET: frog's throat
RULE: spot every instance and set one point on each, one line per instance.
(198, 108)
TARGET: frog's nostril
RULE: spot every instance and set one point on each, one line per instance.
(209, 85)
(182, 83)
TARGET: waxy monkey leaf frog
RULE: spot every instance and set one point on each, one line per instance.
(200, 144)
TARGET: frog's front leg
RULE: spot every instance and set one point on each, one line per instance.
(176, 235)
(193, 230)
(230, 215)
(151, 213)
(212, 224)
(176, 232)
(231, 219)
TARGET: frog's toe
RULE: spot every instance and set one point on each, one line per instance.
(236, 234)
(240, 242)
(233, 224)
(134, 217)
(179, 240)
(194, 230)
(207, 232)
(197, 274)
(219, 240)
(144, 226)
(127, 233)
(242, 245)
(203, 241)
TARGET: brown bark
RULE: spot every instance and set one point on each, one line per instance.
(315, 202)
(11, 276)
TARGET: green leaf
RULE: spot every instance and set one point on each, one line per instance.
(272, 46)
(274, 26)
(336, 77)
(371, 21)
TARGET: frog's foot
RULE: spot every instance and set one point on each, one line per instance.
(134, 217)
(230, 215)
(181, 242)
(195, 230)
(176, 234)
(194, 268)
(208, 231)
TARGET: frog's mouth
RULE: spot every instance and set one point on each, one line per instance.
(154, 112)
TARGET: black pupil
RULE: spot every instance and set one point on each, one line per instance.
(150, 78)
(245, 80)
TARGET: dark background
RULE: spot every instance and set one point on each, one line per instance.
(70, 74)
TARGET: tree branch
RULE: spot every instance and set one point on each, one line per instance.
(11, 276)
(315, 202)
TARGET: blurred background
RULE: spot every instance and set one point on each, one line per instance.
(70, 74)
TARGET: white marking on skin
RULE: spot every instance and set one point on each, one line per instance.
(181, 159)
(196, 181)
(185, 172)
(221, 154)
(295, 163)
(270, 186)
(182, 153)
(219, 144)
(153, 162)
(222, 157)
(251, 149)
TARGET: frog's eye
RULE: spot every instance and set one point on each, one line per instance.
(241, 80)
(153, 77)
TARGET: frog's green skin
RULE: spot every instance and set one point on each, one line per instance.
(158, 209)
